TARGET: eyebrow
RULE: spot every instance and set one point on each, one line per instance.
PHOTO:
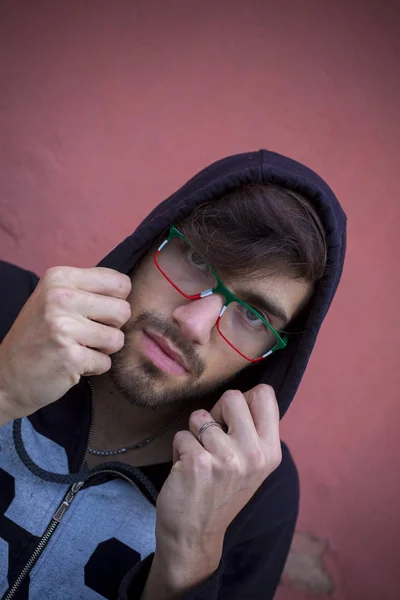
(270, 305)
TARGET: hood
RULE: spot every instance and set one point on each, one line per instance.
(284, 369)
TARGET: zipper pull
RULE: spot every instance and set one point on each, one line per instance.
(65, 504)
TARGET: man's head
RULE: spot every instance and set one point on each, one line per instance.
(266, 243)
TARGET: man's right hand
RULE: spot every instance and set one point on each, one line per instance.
(68, 328)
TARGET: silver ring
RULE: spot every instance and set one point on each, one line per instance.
(204, 427)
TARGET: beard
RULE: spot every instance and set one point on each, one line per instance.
(143, 384)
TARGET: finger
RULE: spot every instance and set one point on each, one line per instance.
(91, 334)
(184, 444)
(107, 282)
(213, 439)
(95, 363)
(264, 409)
(103, 309)
(98, 280)
(233, 409)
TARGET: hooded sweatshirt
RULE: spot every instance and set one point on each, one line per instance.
(70, 532)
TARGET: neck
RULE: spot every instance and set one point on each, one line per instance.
(121, 422)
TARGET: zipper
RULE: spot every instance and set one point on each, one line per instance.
(92, 416)
(62, 509)
(120, 475)
(56, 518)
(55, 521)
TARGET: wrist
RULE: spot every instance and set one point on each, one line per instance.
(184, 569)
(6, 414)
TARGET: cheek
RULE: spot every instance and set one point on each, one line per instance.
(149, 290)
(221, 359)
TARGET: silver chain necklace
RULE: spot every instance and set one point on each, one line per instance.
(139, 444)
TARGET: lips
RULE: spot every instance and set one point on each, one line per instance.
(168, 349)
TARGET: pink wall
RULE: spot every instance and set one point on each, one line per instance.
(106, 107)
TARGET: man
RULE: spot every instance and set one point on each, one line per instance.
(153, 376)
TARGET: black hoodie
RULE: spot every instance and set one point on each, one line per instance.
(66, 532)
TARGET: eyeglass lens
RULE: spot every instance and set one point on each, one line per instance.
(238, 324)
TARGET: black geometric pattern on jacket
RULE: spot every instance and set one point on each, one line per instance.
(20, 542)
(108, 565)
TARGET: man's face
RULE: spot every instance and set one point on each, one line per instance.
(173, 352)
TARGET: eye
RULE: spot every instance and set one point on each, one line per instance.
(252, 319)
(196, 261)
(251, 316)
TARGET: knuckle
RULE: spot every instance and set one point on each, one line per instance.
(106, 364)
(230, 461)
(97, 363)
(124, 312)
(57, 297)
(58, 328)
(276, 458)
(124, 284)
(116, 340)
(75, 379)
(256, 459)
(119, 339)
(201, 462)
(128, 311)
(179, 436)
(73, 358)
(231, 396)
(265, 390)
(49, 315)
(199, 416)
(53, 273)
(266, 394)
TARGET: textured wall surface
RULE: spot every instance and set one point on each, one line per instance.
(106, 107)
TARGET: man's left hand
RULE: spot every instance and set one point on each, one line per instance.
(211, 482)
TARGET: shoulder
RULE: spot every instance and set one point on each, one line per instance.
(16, 285)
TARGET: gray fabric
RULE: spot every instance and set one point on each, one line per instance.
(115, 509)
(112, 510)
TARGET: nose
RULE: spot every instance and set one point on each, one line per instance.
(197, 318)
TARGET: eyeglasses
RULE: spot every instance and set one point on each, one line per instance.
(245, 329)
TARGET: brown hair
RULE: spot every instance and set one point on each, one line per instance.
(259, 228)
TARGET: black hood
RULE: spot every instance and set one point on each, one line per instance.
(284, 369)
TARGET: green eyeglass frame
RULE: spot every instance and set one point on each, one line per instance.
(220, 288)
